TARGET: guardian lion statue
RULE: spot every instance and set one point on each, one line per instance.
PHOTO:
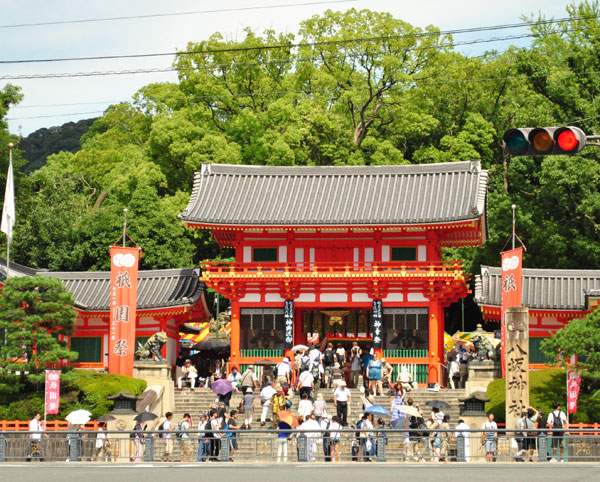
(151, 349)
(484, 348)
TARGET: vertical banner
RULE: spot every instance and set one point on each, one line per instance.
(377, 324)
(512, 275)
(52, 392)
(123, 300)
(573, 384)
(288, 315)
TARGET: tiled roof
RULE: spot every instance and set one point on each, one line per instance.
(543, 289)
(160, 288)
(345, 195)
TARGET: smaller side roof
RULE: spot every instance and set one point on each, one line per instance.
(543, 289)
(160, 288)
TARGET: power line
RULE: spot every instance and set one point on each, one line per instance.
(175, 14)
(69, 104)
(305, 44)
(55, 115)
(154, 70)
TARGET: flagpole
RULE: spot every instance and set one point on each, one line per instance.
(10, 150)
(514, 209)
(124, 225)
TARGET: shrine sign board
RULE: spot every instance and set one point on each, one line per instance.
(517, 363)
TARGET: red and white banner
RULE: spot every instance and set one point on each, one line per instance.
(511, 290)
(52, 392)
(573, 385)
(123, 303)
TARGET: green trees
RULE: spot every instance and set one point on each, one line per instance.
(581, 337)
(35, 313)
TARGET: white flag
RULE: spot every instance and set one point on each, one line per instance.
(8, 212)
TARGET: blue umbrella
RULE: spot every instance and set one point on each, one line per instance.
(377, 410)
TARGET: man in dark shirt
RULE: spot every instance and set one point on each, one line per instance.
(233, 426)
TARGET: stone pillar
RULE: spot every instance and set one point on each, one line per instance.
(517, 363)
(149, 449)
(381, 440)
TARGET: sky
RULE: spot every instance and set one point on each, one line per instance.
(51, 102)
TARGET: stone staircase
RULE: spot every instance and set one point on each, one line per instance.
(202, 399)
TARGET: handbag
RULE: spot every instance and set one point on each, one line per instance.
(241, 409)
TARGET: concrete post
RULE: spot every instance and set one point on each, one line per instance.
(149, 452)
(73, 447)
(460, 449)
(224, 448)
(2, 448)
(542, 447)
(381, 448)
(302, 448)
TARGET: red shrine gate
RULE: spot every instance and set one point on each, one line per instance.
(349, 253)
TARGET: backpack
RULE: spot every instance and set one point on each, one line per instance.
(328, 357)
(305, 364)
(179, 429)
(161, 427)
(556, 421)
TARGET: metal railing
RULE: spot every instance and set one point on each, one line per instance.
(377, 445)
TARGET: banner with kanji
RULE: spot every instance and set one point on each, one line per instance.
(573, 385)
(52, 392)
(377, 324)
(123, 299)
(511, 290)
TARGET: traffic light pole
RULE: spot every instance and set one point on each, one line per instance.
(592, 138)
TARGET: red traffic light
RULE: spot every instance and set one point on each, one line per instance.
(542, 141)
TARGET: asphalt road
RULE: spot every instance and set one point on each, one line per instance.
(86, 472)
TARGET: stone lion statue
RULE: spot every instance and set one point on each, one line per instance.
(152, 347)
(484, 347)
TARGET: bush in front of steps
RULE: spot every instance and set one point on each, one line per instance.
(545, 387)
(80, 389)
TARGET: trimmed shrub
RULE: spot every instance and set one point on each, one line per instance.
(80, 389)
(546, 387)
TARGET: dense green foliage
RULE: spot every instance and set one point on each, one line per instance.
(42, 143)
(35, 314)
(406, 95)
(80, 389)
(546, 387)
(581, 337)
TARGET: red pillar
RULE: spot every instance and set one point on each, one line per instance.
(436, 342)
(235, 333)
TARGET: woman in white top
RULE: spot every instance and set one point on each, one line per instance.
(320, 407)
(101, 443)
(305, 407)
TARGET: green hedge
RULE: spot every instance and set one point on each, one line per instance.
(80, 389)
(546, 387)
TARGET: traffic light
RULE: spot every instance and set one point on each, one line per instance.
(544, 141)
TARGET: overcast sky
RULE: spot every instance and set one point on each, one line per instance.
(51, 102)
